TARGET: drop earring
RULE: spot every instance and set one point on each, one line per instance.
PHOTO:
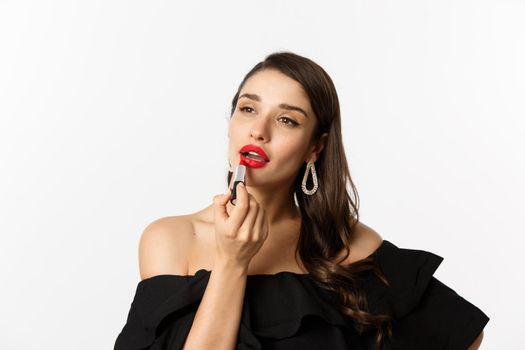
(310, 167)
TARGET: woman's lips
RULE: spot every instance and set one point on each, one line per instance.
(255, 149)
(252, 163)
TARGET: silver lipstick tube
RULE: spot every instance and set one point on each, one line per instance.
(240, 176)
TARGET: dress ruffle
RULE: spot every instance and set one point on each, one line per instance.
(158, 300)
(409, 272)
(275, 306)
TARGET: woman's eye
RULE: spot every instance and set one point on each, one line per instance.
(291, 121)
(244, 108)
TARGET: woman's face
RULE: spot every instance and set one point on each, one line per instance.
(283, 133)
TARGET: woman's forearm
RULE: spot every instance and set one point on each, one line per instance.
(216, 323)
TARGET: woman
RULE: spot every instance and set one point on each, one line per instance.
(289, 266)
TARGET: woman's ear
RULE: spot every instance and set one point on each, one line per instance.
(318, 147)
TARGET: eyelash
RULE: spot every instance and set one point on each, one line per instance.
(293, 122)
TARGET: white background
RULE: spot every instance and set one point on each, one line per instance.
(114, 114)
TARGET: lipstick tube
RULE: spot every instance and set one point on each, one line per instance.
(240, 176)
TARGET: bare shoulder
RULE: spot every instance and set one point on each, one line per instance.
(365, 241)
(163, 246)
(477, 342)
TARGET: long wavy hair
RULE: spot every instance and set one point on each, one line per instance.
(328, 217)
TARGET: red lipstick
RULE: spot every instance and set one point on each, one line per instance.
(253, 156)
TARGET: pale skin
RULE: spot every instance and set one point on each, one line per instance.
(247, 238)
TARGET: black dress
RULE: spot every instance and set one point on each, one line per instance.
(290, 311)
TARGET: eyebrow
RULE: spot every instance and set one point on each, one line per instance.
(286, 106)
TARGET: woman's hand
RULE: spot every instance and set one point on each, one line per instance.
(240, 235)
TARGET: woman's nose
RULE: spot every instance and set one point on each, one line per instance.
(260, 128)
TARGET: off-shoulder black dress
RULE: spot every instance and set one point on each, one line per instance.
(290, 311)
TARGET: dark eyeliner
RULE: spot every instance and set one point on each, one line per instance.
(293, 122)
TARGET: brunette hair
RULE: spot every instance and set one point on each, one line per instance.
(330, 215)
